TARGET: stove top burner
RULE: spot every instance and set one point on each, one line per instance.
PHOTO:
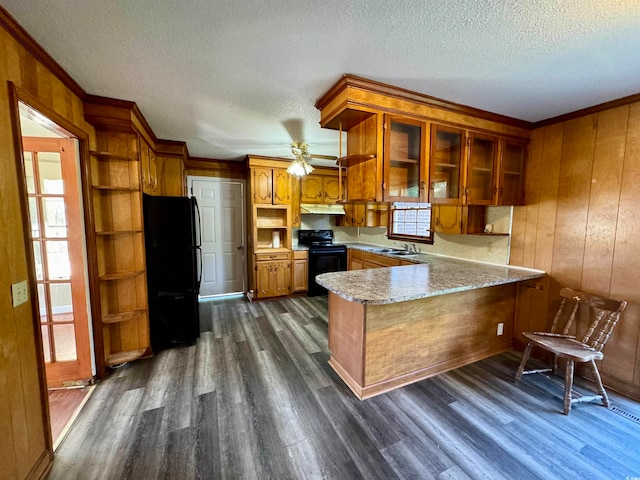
(315, 237)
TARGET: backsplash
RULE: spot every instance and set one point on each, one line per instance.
(485, 248)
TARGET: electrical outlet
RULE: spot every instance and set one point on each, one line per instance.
(20, 293)
(500, 329)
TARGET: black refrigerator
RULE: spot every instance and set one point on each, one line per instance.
(174, 269)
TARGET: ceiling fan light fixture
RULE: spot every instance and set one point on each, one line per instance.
(300, 166)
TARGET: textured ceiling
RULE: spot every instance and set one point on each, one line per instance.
(232, 77)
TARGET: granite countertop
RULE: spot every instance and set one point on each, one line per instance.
(434, 275)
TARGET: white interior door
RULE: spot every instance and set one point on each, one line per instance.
(221, 203)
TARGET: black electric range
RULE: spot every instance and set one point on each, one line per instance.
(324, 256)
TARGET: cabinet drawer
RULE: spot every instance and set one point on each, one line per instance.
(268, 257)
(381, 260)
(300, 254)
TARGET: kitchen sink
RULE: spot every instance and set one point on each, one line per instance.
(403, 252)
(384, 250)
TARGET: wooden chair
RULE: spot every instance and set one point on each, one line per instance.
(603, 316)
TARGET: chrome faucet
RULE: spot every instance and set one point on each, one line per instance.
(405, 246)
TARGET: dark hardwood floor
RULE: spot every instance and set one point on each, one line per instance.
(256, 399)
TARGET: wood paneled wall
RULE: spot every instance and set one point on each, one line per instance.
(25, 448)
(582, 226)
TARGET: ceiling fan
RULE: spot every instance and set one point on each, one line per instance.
(300, 165)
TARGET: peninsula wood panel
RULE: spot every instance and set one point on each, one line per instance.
(25, 446)
(581, 225)
(445, 331)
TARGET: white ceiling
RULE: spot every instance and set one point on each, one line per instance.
(232, 77)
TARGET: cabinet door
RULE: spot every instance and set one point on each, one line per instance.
(358, 216)
(356, 264)
(282, 278)
(262, 185)
(331, 190)
(511, 175)
(404, 160)
(461, 219)
(300, 277)
(312, 189)
(447, 218)
(281, 187)
(481, 167)
(273, 279)
(446, 162)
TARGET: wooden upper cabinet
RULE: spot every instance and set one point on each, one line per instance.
(513, 155)
(409, 147)
(281, 187)
(312, 189)
(405, 164)
(460, 219)
(271, 186)
(262, 185)
(447, 163)
(481, 181)
(320, 189)
(331, 190)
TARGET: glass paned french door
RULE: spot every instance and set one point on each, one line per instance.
(56, 224)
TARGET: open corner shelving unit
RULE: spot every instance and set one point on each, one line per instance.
(116, 195)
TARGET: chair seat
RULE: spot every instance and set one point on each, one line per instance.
(567, 347)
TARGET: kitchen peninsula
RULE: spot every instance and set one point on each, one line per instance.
(389, 327)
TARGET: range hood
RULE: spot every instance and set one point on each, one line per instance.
(322, 209)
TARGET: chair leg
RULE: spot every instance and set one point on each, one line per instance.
(555, 364)
(523, 362)
(568, 385)
(601, 391)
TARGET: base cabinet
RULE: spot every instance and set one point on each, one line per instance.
(300, 280)
(273, 277)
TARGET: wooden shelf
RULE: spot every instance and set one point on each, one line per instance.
(122, 317)
(113, 188)
(126, 356)
(517, 174)
(481, 169)
(120, 276)
(447, 165)
(119, 232)
(351, 160)
(413, 161)
(112, 156)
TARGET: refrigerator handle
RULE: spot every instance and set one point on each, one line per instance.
(199, 226)
(200, 269)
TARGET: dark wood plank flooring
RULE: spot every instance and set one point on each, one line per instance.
(256, 399)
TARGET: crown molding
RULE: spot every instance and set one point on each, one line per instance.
(620, 102)
(373, 86)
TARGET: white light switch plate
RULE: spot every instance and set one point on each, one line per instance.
(500, 329)
(20, 293)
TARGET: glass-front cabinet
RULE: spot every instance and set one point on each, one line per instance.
(405, 165)
(481, 167)
(512, 168)
(446, 160)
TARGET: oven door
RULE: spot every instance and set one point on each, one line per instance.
(324, 260)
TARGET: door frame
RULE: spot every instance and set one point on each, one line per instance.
(16, 95)
(58, 371)
(243, 182)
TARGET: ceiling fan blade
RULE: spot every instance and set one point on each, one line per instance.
(323, 157)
